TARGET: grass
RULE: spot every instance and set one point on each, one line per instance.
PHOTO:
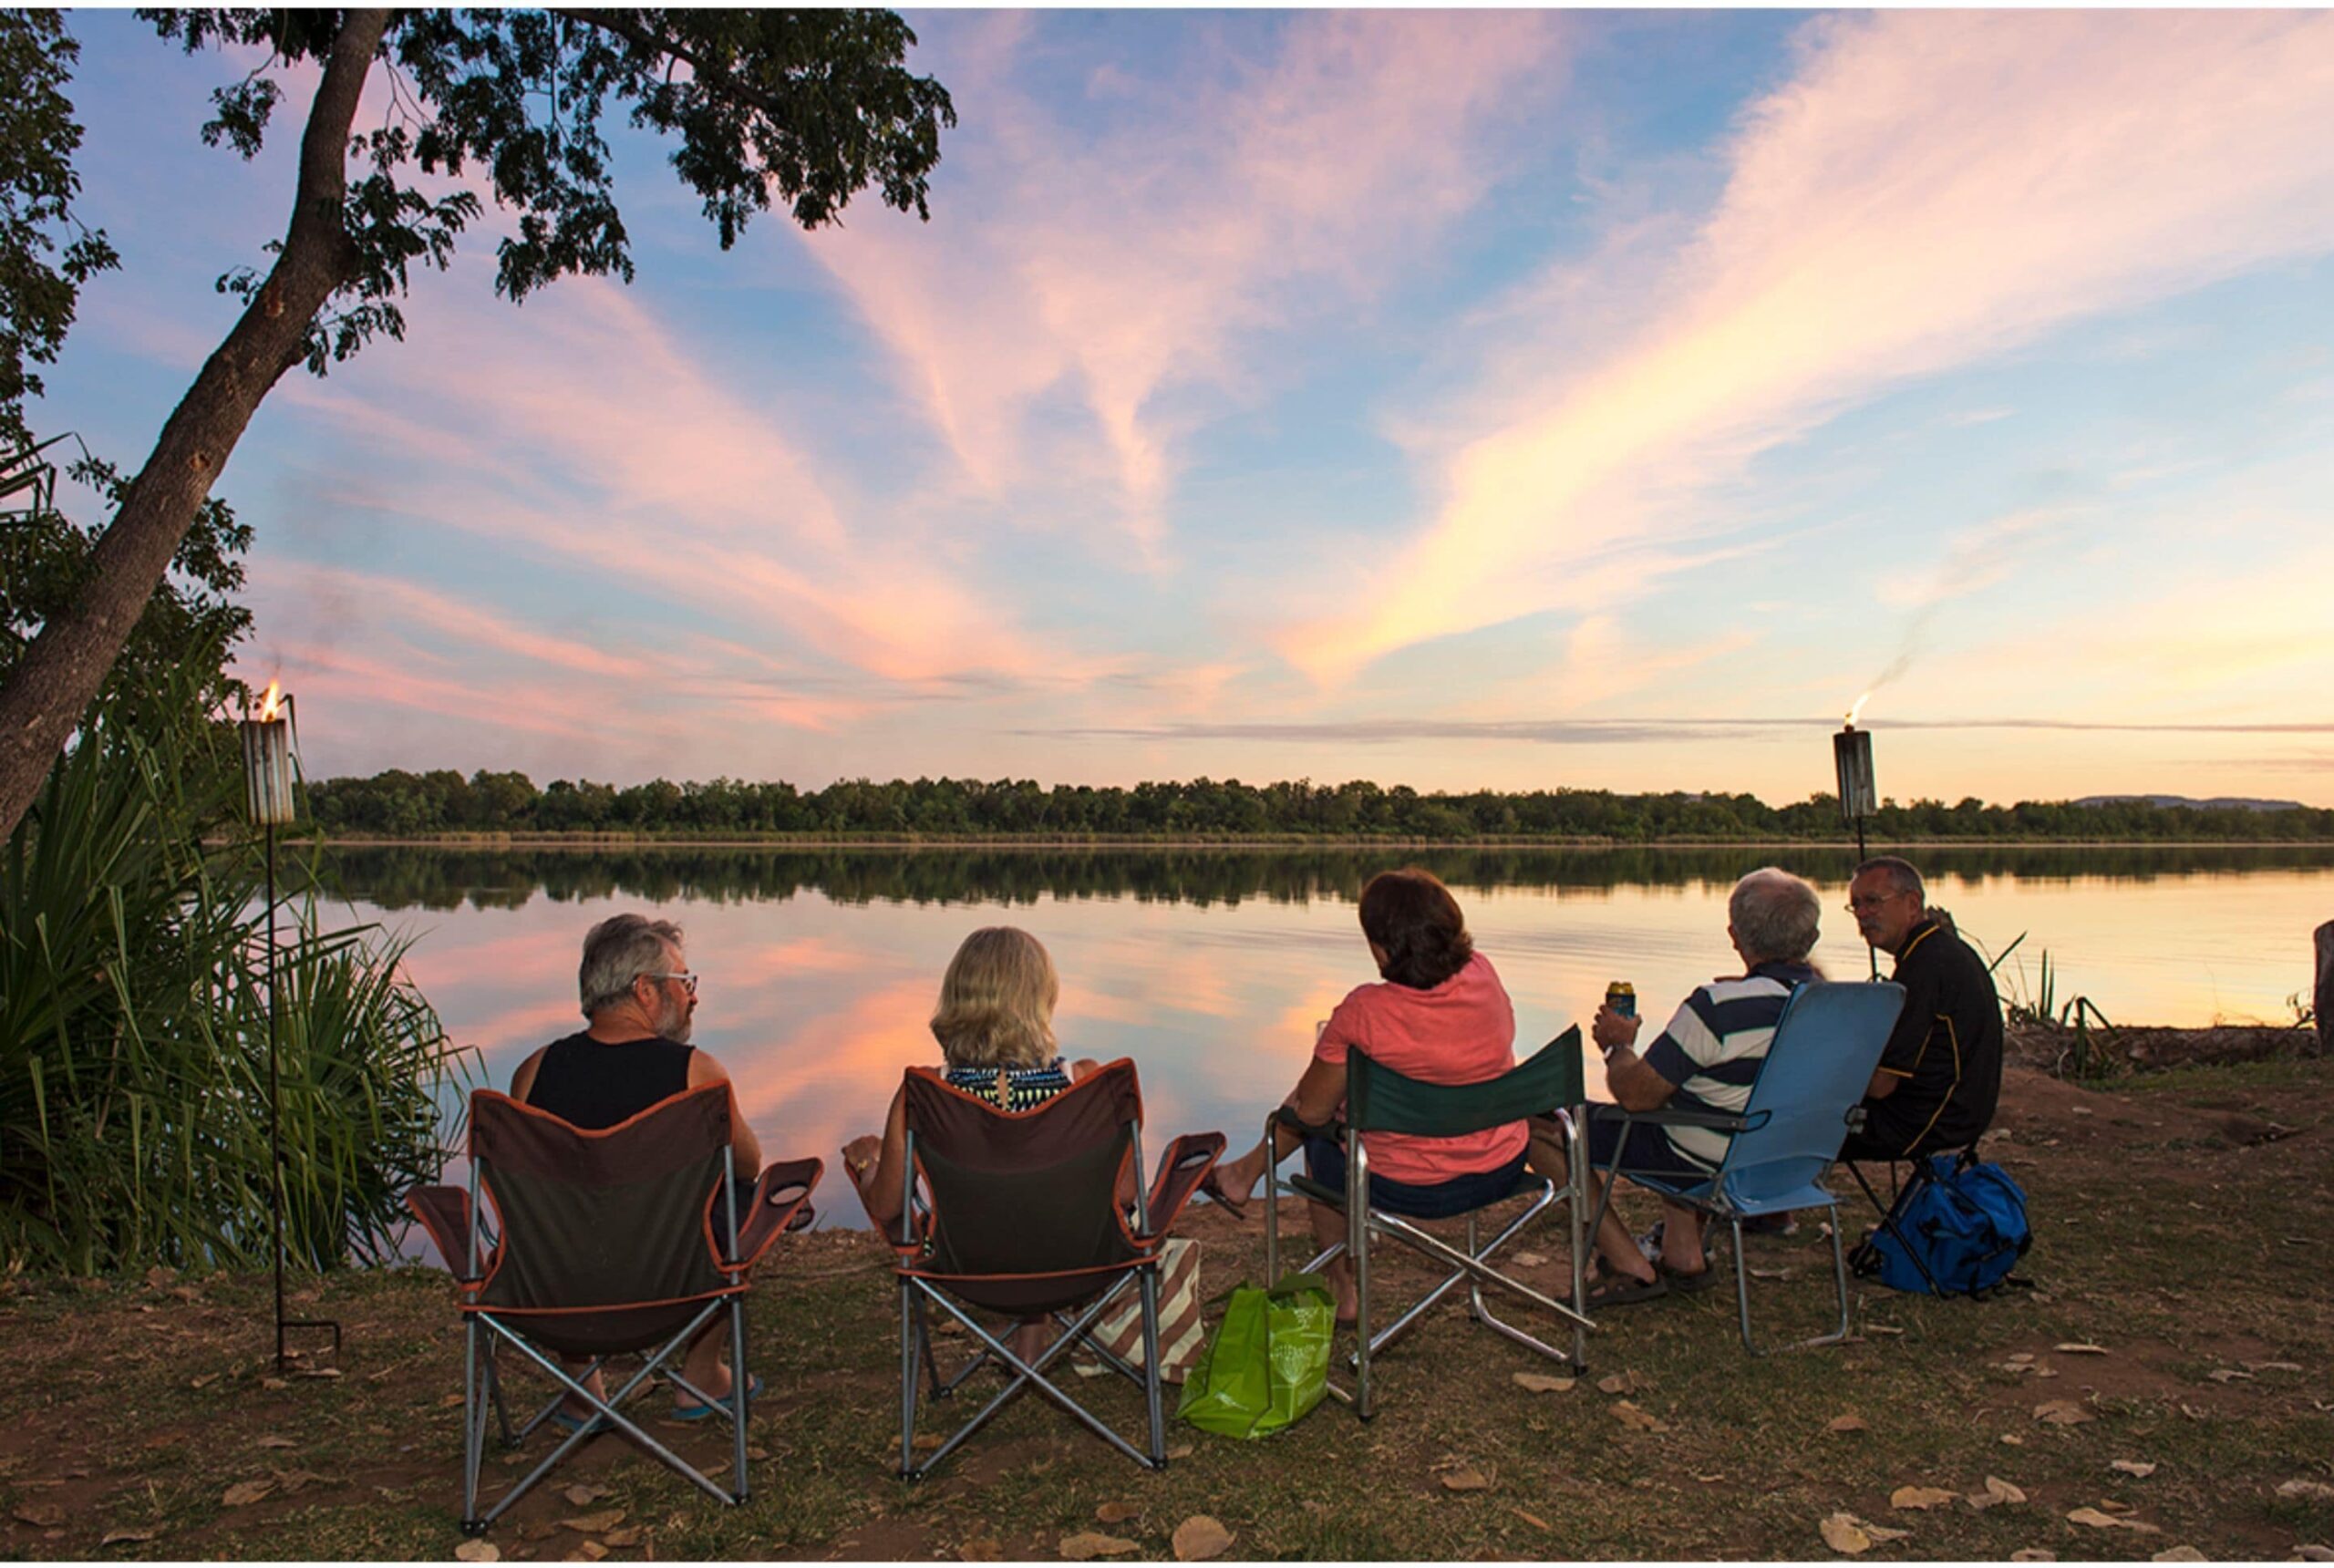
(2162, 1237)
(135, 998)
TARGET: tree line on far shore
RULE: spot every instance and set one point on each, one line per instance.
(402, 804)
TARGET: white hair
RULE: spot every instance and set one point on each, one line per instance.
(1775, 914)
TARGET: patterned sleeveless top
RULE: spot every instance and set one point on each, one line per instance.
(1011, 1089)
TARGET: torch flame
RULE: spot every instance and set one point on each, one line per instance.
(1857, 708)
(268, 704)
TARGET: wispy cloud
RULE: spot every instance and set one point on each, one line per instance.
(1626, 731)
(1169, 252)
(1930, 188)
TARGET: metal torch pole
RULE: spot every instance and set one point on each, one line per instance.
(1872, 953)
(274, 1097)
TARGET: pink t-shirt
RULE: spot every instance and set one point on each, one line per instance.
(1462, 1031)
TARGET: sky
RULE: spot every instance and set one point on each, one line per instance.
(1493, 399)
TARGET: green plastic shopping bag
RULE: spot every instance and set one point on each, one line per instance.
(1269, 1362)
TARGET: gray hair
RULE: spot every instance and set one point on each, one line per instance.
(1774, 914)
(619, 951)
(1902, 877)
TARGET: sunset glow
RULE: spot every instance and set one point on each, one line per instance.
(1454, 399)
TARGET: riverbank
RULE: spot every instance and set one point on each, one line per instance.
(1239, 841)
(2179, 1326)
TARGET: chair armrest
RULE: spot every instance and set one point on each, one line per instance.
(781, 1203)
(445, 1215)
(1716, 1120)
(1181, 1169)
(1335, 1128)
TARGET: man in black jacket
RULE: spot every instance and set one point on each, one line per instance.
(1942, 1072)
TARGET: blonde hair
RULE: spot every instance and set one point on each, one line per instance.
(997, 1001)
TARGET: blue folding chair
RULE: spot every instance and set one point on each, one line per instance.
(1826, 1046)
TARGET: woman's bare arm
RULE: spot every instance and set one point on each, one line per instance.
(878, 1168)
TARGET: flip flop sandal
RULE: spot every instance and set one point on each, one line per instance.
(1627, 1292)
(706, 1412)
(1210, 1188)
(1685, 1283)
(567, 1422)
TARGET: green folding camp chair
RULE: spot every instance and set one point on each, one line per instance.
(1379, 1099)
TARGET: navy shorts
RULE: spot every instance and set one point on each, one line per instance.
(1648, 1152)
(1325, 1161)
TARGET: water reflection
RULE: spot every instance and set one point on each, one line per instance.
(404, 878)
(1209, 967)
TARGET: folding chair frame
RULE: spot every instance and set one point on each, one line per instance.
(1709, 1195)
(1718, 1209)
(481, 1383)
(1890, 1210)
(1472, 1265)
(1187, 1161)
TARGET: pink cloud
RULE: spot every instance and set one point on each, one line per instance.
(1127, 265)
(1929, 188)
(694, 494)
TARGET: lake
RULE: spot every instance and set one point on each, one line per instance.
(1210, 967)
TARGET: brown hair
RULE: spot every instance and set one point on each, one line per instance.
(1412, 917)
(996, 1002)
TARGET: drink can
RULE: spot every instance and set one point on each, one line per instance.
(1622, 997)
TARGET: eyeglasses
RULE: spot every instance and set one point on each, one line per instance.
(688, 981)
(1871, 900)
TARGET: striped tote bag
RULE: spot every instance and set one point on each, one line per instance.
(1182, 1336)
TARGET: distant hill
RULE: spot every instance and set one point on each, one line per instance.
(2217, 803)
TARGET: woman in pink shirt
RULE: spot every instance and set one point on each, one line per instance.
(1439, 1014)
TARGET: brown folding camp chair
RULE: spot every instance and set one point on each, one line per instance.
(622, 1241)
(1018, 1214)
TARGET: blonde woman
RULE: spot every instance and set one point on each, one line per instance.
(995, 1024)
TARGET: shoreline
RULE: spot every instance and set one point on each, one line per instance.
(911, 842)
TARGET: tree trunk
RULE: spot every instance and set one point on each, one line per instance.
(2322, 997)
(65, 665)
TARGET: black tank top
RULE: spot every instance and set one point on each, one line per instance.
(595, 1086)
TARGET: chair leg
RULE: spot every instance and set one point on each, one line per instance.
(1576, 1163)
(1888, 1216)
(1357, 1251)
(1481, 1309)
(1272, 1207)
(1151, 1382)
(473, 1429)
(741, 1383)
(1741, 1284)
(1033, 1374)
(609, 1417)
(910, 1327)
(1839, 1285)
(494, 1393)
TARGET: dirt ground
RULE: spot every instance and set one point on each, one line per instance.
(2167, 1385)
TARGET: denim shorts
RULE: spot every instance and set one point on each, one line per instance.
(1325, 1161)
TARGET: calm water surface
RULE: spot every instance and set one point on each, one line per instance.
(1209, 968)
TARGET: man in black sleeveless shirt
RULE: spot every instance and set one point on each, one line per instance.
(1941, 1074)
(636, 990)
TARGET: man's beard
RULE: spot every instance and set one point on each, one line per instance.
(673, 1022)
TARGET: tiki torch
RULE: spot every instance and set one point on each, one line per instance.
(267, 794)
(1859, 795)
(1852, 758)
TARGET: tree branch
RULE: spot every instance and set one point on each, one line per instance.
(61, 673)
(709, 71)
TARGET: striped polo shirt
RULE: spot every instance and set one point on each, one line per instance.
(1712, 1049)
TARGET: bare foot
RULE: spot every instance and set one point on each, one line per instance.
(1029, 1340)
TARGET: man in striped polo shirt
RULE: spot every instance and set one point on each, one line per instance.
(1704, 1060)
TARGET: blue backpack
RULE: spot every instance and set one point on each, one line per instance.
(1966, 1225)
